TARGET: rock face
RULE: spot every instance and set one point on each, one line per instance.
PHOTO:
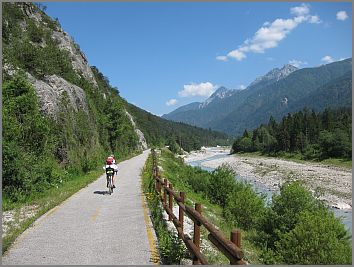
(276, 74)
(142, 141)
(31, 12)
(52, 89)
(219, 94)
(65, 42)
(78, 59)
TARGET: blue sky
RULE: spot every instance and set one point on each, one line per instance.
(165, 55)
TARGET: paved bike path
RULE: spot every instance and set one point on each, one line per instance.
(92, 227)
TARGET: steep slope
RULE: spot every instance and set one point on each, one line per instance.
(201, 113)
(275, 99)
(69, 93)
(223, 101)
(337, 93)
(157, 130)
(188, 107)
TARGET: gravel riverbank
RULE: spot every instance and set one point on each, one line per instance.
(331, 184)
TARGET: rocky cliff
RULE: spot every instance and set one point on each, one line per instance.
(52, 86)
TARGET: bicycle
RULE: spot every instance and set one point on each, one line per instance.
(110, 173)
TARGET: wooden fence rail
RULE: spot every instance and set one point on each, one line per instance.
(230, 248)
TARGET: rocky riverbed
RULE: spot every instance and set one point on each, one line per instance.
(328, 183)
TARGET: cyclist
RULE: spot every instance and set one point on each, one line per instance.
(111, 163)
(114, 162)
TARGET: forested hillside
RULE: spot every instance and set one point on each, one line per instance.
(158, 130)
(61, 117)
(289, 94)
(315, 135)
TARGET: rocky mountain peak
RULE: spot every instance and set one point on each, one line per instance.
(220, 93)
(276, 74)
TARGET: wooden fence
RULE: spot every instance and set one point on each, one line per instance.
(230, 248)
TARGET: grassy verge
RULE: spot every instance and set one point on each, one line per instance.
(336, 162)
(173, 169)
(170, 247)
(43, 202)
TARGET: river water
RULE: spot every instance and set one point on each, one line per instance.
(345, 215)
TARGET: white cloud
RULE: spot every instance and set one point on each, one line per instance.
(201, 89)
(271, 33)
(342, 15)
(300, 10)
(221, 58)
(315, 19)
(171, 102)
(297, 63)
(241, 87)
(327, 59)
(237, 54)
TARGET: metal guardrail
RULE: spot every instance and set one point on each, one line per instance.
(230, 248)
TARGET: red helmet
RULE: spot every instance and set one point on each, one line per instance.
(109, 160)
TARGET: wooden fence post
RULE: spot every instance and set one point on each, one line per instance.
(235, 237)
(158, 185)
(196, 235)
(164, 192)
(170, 202)
(181, 211)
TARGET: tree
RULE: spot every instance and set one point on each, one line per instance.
(244, 207)
(328, 119)
(222, 184)
(286, 209)
(318, 238)
(246, 134)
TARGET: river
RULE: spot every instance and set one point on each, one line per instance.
(345, 215)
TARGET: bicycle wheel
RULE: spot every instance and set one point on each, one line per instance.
(110, 185)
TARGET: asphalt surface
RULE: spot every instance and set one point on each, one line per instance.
(92, 227)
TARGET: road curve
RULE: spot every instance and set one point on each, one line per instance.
(92, 227)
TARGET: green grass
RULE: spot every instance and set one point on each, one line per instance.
(338, 162)
(172, 168)
(335, 162)
(170, 246)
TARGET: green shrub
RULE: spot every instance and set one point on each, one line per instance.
(311, 152)
(199, 180)
(318, 238)
(35, 33)
(222, 183)
(286, 209)
(299, 229)
(244, 207)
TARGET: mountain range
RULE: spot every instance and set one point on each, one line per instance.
(278, 92)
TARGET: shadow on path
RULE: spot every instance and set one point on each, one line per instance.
(101, 192)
